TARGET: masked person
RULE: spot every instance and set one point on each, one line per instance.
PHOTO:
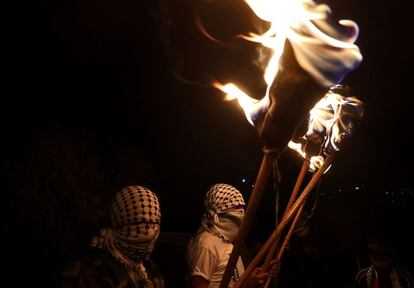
(382, 273)
(209, 249)
(119, 256)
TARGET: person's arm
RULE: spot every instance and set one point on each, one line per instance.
(360, 279)
(202, 264)
(405, 278)
(198, 282)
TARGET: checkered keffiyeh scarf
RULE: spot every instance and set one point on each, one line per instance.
(221, 197)
(134, 205)
(135, 219)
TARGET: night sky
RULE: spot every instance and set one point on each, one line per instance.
(103, 94)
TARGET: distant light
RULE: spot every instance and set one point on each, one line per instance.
(244, 180)
(252, 186)
(356, 188)
(386, 192)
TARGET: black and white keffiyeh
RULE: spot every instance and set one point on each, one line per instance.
(135, 226)
(135, 205)
(221, 197)
(217, 219)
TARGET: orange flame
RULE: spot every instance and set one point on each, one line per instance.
(324, 48)
(250, 105)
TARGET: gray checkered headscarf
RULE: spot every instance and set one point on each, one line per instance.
(135, 226)
(221, 197)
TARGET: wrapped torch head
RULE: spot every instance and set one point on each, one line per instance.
(292, 95)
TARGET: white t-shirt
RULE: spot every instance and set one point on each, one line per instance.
(208, 256)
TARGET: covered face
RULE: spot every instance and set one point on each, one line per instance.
(135, 226)
(225, 210)
(136, 218)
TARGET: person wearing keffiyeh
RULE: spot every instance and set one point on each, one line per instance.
(209, 249)
(119, 255)
(382, 273)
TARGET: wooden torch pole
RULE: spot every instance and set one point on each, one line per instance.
(293, 196)
(302, 198)
(254, 200)
(285, 242)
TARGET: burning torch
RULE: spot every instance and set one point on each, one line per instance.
(331, 121)
(310, 53)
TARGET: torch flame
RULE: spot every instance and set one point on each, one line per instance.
(315, 162)
(322, 47)
(250, 106)
(330, 121)
(333, 117)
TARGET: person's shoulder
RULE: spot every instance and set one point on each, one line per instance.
(402, 271)
(207, 237)
(204, 242)
(204, 239)
(88, 268)
(405, 277)
(85, 257)
(361, 276)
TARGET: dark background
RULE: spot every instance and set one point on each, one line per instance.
(103, 94)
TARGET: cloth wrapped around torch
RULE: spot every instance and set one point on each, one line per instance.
(318, 53)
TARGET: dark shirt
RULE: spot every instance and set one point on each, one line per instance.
(96, 268)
